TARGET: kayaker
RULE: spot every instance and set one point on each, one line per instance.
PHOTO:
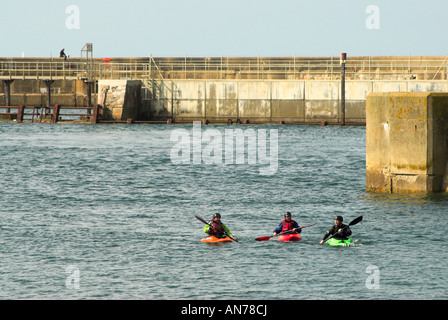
(216, 228)
(339, 230)
(287, 224)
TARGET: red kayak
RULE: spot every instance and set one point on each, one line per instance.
(290, 237)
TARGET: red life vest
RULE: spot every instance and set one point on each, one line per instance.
(216, 228)
(287, 225)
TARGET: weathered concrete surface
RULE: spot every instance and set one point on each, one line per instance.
(406, 142)
(121, 99)
(292, 101)
(270, 100)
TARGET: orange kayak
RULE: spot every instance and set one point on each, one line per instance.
(289, 237)
(214, 239)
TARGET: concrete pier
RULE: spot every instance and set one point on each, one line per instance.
(305, 90)
(406, 142)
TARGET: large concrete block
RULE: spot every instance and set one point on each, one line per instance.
(221, 90)
(322, 90)
(322, 110)
(188, 108)
(254, 90)
(121, 99)
(406, 141)
(357, 90)
(254, 109)
(221, 108)
(288, 90)
(186, 89)
(355, 111)
(288, 110)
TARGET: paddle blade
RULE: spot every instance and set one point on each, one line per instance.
(263, 238)
(200, 219)
(356, 221)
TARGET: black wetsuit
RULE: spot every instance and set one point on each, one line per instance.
(344, 235)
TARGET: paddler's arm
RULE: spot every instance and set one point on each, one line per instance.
(346, 231)
(324, 238)
(297, 227)
(278, 230)
(206, 228)
(226, 229)
(326, 235)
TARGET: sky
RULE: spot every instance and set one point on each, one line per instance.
(224, 28)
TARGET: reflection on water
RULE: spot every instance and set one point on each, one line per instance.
(407, 198)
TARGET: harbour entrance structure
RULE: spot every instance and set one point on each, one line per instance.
(290, 90)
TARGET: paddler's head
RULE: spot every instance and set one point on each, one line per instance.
(288, 216)
(338, 220)
(216, 217)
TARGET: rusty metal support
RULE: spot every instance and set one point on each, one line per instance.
(48, 83)
(20, 112)
(96, 114)
(55, 116)
(89, 94)
(32, 116)
(8, 93)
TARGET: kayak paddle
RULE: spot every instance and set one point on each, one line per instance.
(205, 222)
(266, 238)
(355, 221)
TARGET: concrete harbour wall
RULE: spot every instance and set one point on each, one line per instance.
(307, 101)
(291, 101)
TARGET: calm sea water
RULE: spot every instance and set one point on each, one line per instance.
(104, 204)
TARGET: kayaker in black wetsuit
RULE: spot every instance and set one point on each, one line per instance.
(216, 228)
(287, 225)
(340, 230)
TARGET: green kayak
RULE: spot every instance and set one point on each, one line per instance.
(339, 243)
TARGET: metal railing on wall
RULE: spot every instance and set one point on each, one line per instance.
(291, 68)
(366, 68)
